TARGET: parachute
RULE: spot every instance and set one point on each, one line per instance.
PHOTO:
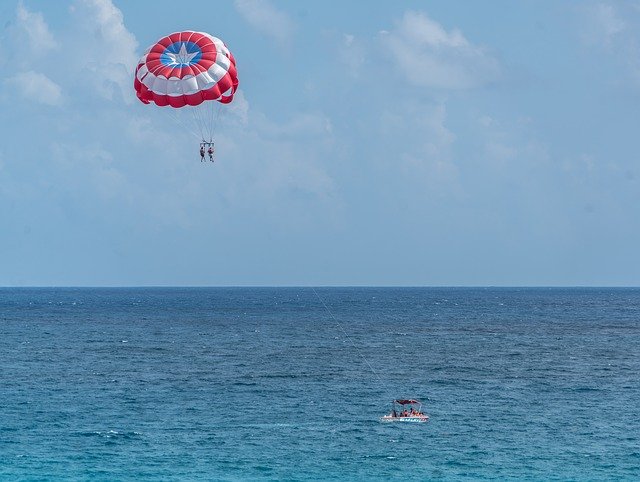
(188, 70)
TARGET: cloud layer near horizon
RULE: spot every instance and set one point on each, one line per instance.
(446, 166)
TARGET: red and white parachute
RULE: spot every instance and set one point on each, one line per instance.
(188, 69)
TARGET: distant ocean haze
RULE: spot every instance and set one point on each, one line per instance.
(253, 383)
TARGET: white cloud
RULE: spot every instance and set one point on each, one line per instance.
(429, 56)
(266, 19)
(613, 29)
(36, 87)
(239, 108)
(259, 162)
(287, 156)
(302, 126)
(416, 137)
(352, 54)
(111, 48)
(287, 169)
(99, 52)
(141, 130)
(602, 24)
(37, 31)
(93, 169)
(499, 152)
(498, 148)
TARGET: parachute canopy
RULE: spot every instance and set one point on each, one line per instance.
(186, 69)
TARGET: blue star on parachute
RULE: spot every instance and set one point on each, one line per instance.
(183, 57)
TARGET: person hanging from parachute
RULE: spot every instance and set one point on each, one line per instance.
(209, 151)
(191, 70)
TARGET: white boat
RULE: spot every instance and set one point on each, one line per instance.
(409, 411)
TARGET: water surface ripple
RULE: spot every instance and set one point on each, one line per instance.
(260, 383)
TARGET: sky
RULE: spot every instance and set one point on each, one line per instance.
(411, 143)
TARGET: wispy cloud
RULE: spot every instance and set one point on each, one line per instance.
(266, 19)
(429, 163)
(602, 24)
(105, 48)
(429, 56)
(98, 173)
(352, 54)
(36, 87)
(612, 28)
(37, 31)
(284, 157)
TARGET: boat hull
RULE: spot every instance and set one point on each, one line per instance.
(417, 419)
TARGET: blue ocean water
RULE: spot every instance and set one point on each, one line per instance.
(246, 383)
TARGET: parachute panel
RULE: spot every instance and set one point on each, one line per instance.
(186, 69)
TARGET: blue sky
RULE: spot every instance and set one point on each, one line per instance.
(413, 143)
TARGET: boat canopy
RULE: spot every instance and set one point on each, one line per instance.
(406, 402)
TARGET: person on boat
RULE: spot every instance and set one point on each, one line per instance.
(404, 413)
(394, 414)
(210, 152)
(201, 152)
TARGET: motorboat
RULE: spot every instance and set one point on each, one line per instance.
(406, 411)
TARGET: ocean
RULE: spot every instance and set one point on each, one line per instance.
(271, 384)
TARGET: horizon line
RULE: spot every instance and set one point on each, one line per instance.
(151, 286)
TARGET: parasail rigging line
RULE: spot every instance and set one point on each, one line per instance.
(214, 118)
(210, 115)
(349, 338)
(175, 117)
(198, 122)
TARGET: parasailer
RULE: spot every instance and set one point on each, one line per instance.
(209, 151)
(191, 70)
